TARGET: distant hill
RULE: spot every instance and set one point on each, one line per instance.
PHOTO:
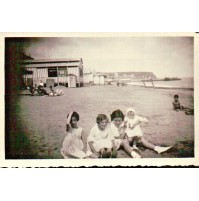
(130, 75)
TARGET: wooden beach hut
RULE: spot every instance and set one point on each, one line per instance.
(67, 72)
(94, 79)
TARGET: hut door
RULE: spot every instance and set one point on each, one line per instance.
(72, 81)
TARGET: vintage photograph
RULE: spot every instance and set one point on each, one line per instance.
(99, 97)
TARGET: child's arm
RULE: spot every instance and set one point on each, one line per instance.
(92, 148)
(125, 123)
(174, 107)
(122, 133)
(69, 118)
(68, 121)
(139, 120)
(91, 140)
(181, 107)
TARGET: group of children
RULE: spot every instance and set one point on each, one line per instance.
(41, 91)
(105, 139)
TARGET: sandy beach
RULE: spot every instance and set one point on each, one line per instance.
(40, 122)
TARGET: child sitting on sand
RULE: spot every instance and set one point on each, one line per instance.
(177, 106)
(132, 123)
(74, 144)
(32, 89)
(100, 140)
(176, 103)
(55, 93)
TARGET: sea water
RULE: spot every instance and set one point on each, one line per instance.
(184, 83)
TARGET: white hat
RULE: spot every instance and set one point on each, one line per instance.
(130, 110)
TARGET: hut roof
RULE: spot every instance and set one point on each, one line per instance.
(55, 62)
(45, 65)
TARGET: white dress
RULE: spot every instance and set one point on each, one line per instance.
(100, 138)
(136, 131)
(115, 132)
(73, 145)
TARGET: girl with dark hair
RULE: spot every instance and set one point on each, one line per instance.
(75, 143)
(118, 131)
(100, 140)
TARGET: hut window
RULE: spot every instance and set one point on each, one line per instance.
(52, 72)
(62, 72)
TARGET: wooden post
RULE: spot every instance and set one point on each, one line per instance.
(144, 83)
(152, 83)
(57, 76)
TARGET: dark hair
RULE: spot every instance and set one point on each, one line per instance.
(101, 117)
(176, 96)
(117, 113)
(75, 114)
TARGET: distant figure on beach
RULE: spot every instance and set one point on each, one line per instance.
(123, 84)
(41, 83)
(32, 89)
(118, 83)
(132, 124)
(42, 91)
(55, 93)
(75, 143)
(100, 140)
(118, 131)
(177, 106)
(176, 103)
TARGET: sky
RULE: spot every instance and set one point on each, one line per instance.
(164, 56)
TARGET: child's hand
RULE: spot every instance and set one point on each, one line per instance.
(69, 118)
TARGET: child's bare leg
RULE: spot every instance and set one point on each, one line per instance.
(129, 150)
(108, 153)
(135, 140)
(130, 140)
(126, 146)
(147, 144)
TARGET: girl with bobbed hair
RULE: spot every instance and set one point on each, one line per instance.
(75, 143)
(100, 140)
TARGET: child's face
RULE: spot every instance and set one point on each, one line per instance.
(102, 125)
(176, 99)
(73, 122)
(117, 121)
(131, 114)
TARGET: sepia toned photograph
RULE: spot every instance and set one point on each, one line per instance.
(99, 98)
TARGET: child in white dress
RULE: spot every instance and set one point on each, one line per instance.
(75, 143)
(133, 130)
(58, 92)
(100, 140)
